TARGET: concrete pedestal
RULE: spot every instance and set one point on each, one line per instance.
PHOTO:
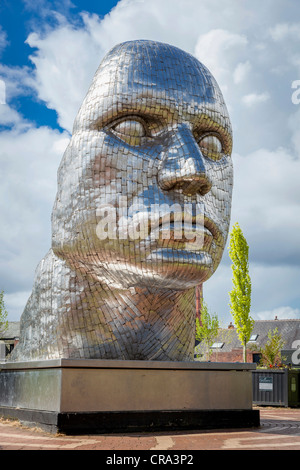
(76, 396)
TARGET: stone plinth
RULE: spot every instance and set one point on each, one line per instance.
(69, 395)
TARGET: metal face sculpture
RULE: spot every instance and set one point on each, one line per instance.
(141, 214)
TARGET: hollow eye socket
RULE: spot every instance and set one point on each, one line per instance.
(211, 147)
(130, 130)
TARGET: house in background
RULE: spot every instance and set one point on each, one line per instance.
(9, 339)
(227, 346)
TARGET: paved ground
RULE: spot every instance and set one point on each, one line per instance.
(279, 430)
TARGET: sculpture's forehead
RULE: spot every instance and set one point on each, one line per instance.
(153, 79)
(161, 68)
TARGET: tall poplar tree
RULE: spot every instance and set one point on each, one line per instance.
(240, 296)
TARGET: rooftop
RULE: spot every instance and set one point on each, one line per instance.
(227, 339)
(13, 330)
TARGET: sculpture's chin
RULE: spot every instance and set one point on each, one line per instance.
(164, 268)
(165, 273)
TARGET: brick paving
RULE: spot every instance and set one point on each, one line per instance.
(279, 430)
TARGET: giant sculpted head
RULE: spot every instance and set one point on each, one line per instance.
(142, 211)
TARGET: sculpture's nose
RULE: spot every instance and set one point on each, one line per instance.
(183, 166)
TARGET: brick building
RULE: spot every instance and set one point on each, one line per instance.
(227, 346)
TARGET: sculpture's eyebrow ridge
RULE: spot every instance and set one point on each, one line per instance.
(155, 104)
(166, 111)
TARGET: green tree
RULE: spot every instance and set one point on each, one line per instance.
(3, 315)
(271, 352)
(240, 296)
(207, 329)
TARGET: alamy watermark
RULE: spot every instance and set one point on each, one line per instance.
(296, 93)
(296, 353)
(136, 221)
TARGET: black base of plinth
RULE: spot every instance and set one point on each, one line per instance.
(134, 421)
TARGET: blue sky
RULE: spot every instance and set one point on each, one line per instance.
(49, 51)
(18, 19)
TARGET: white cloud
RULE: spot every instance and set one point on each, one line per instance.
(255, 98)
(282, 313)
(241, 72)
(285, 36)
(2, 92)
(266, 203)
(65, 63)
(282, 31)
(217, 49)
(10, 117)
(29, 159)
(18, 81)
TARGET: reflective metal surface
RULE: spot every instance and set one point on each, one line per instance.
(99, 385)
(141, 214)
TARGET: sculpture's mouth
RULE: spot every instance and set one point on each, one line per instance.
(180, 241)
(182, 227)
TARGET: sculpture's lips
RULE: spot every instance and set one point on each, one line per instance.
(175, 223)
